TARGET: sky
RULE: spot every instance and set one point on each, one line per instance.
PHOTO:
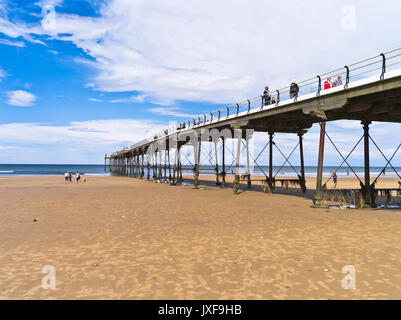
(79, 79)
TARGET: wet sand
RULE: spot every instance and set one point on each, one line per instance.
(124, 238)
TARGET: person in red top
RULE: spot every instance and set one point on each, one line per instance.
(328, 84)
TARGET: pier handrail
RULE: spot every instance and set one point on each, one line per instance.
(307, 86)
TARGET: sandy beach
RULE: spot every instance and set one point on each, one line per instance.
(125, 238)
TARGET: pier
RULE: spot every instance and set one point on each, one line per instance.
(370, 92)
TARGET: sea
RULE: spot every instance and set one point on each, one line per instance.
(99, 170)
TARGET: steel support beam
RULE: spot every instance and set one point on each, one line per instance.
(319, 187)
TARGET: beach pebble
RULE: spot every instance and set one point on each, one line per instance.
(95, 264)
(326, 270)
(34, 220)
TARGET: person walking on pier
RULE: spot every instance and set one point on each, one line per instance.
(266, 96)
(294, 89)
(328, 84)
(338, 82)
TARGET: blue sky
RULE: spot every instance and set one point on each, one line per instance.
(109, 73)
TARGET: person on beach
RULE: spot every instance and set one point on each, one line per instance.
(338, 82)
(66, 176)
(294, 89)
(70, 176)
(399, 184)
(266, 96)
(328, 84)
(77, 176)
(334, 176)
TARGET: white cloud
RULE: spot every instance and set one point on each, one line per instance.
(20, 98)
(171, 111)
(53, 3)
(6, 42)
(76, 142)
(95, 100)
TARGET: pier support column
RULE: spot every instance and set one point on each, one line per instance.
(197, 160)
(142, 169)
(165, 165)
(238, 134)
(301, 153)
(148, 165)
(154, 164)
(169, 164)
(217, 164)
(173, 180)
(366, 190)
(160, 175)
(223, 163)
(319, 177)
(138, 163)
(156, 167)
(248, 168)
(179, 178)
(270, 182)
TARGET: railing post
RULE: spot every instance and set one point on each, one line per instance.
(249, 105)
(237, 109)
(278, 97)
(211, 116)
(219, 115)
(383, 66)
(228, 111)
(346, 77)
(319, 87)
